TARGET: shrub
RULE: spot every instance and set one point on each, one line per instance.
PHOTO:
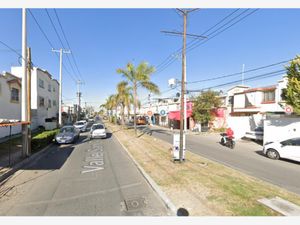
(42, 140)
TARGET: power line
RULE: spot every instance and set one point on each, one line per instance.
(257, 77)
(60, 40)
(201, 43)
(65, 37)
(49, 42)
(238, 73)
(169, 60)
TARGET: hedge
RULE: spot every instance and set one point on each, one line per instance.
(41, 140)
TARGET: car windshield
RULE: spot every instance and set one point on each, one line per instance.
(79, 123)
(66, 129)
(99, 126)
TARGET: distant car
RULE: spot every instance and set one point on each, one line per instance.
(98, 131)
(81, 125)
(67, 135)
(91, 120)
(288, 149)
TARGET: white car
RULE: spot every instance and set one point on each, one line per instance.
(81, 125)
(288, 149)
(98, 131)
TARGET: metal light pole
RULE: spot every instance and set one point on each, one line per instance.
(61, 51)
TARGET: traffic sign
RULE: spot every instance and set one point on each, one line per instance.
(288, 110)
(162, 112)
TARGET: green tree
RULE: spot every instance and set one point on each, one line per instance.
(204, 104)
(124, 97)
(139, 77)
(111, 104)
(292, 93)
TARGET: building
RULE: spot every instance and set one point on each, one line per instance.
(44, 97)
(10, 101)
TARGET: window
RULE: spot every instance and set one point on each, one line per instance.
(14, 95)
(49, 103)
(41, 83)
(269, 96)
(49, 87)
(54, 103)
(41, 101)
(53, 89)
(291, 142)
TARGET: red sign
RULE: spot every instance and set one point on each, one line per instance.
(288, 109)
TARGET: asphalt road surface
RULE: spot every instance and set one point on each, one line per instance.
(95, 178)
(246, 157)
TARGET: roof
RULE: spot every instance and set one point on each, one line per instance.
(268, 88)
(238, 86)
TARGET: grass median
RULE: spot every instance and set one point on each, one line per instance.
(203, 187)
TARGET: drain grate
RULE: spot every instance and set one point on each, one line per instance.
(135, 203)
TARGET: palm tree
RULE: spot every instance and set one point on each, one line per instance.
(111, 103)
(124, 97)
(139, 77)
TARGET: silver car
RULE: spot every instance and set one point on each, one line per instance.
(81, 125)
(67, 135)
(98, 131)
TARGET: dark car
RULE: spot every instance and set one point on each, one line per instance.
(67, 135)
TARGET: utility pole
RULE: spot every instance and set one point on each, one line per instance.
(24, 111)
(61, 51)
(183, 108)
(79, 82)
(29, 67)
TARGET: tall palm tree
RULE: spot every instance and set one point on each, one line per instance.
(123, 97)
(139, 77)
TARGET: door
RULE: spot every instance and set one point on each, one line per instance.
(291, 149)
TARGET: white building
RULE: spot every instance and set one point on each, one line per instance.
(10, 101)
(44, 97)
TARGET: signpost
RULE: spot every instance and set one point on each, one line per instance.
(176, 147)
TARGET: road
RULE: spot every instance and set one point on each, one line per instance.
(88, 178)
(246, 157)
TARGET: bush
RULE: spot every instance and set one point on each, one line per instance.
(41, 140)
(220, 130)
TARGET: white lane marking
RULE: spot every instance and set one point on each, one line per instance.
(94, 159)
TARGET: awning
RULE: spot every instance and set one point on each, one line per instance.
(175, 115)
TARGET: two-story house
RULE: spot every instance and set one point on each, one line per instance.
(44, 96)
(10, 101)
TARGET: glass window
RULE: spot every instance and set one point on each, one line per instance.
(15, 95)
(269, 96)
(41, 101)
(41, 83)
(49, 103)
(49, 87)
(67, 129)
(291, 142)
(99, 126)
(53, 89)
(54, 103)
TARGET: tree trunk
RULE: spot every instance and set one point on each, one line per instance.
(122, 114)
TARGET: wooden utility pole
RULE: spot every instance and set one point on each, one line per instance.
(29, 67)
(183, 122)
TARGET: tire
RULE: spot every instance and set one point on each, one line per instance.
(222, 141)
(232, 144)
(272, 154)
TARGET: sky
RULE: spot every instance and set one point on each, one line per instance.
(103, 40)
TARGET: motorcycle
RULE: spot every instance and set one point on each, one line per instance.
(228, 142)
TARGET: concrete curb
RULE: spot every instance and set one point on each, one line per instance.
(28, 160)
(152, 183)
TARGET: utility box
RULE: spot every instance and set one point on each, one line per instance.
(176, 147)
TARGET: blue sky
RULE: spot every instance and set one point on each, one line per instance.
(103, 40)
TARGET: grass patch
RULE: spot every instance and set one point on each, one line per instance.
(203, 186)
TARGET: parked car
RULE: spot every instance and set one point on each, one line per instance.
(256, 134)
(81, 125)
(98, 131)
(288, 149)
(67, 134)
